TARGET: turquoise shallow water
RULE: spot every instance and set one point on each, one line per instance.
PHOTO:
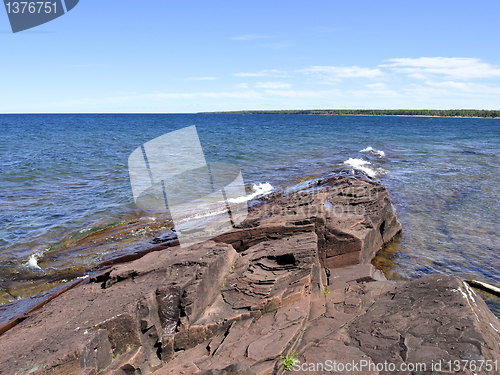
(66, 201)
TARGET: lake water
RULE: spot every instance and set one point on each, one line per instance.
(66, 203)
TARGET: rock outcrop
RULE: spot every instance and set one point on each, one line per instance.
(293, 281)
(353, 219)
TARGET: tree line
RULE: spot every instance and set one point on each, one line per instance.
(382, 112)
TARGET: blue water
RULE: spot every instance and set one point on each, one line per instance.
(66, 202)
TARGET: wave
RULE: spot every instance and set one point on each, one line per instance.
(218, 208)
(372, 151)
(362, 165)
(258, 190)
(33, 260)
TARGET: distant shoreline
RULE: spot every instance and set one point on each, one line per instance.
(463, 113)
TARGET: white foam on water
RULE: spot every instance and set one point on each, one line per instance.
(33, 262)
(361, 165)
(371, 150)
(219, 208)
(206, 213)
(259, 189)
(356, 163)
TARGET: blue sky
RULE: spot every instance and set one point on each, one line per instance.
(191, 56)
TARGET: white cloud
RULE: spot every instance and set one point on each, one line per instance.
(375, 89)
(167, 96)
(448, 85)
(337, 73)
(398, 83)
(224, 94)
(156, 96)
(262, 73)
(465, 87)
(375, 86)
(249, 37)
(419, 76)
(299, 93)
(272, 85)
(235, 94)
(373, 93)
(451, 67)
(200, 79)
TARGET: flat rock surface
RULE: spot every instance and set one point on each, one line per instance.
(436, 319)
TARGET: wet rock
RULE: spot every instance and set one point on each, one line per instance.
(117, 312)
(352, 219)
(293, 280)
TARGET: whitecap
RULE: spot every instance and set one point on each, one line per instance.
(221, 207)
(361, 165)
(207, 213)
(33, 262)
(356, 163)
(371, 150)
(258, 190)
(33, 259)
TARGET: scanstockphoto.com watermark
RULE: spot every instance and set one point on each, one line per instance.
(205, 200)
(319, 203)
(170, 173)
(367, 365)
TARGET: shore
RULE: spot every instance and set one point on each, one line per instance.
(293, 282)
(448, 113)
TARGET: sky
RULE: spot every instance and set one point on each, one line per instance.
(158, 56)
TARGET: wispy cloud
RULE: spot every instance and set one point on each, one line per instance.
(300, 93)
(449, 67)
(200, 79)
(449, 85)
(376, 86)
(248, 37)
(272, 85)
(224, 94)
(231, 94)
(263, 73)
(465, 87)
(374, 89)
(337, 73)
(277, 45)
(155, 97)
(397, 83)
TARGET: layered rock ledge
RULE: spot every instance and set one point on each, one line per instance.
(294, 280)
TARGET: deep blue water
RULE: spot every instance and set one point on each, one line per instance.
(64, 179)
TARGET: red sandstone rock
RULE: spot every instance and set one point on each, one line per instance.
(294, 277)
